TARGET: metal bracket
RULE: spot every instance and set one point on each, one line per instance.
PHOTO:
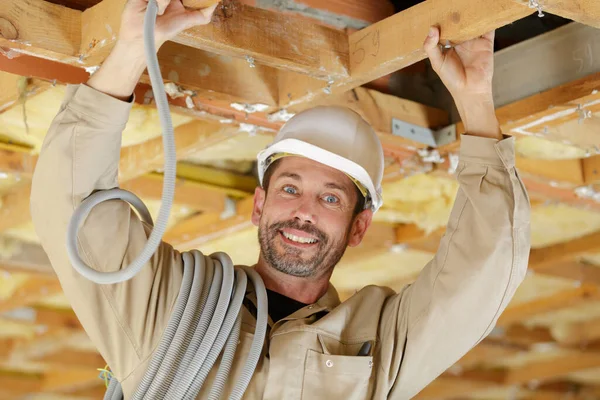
(432, 138)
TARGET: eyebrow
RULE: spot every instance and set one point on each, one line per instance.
(329, 185)
(290, 175)
(332, 185)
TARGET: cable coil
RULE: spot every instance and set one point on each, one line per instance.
(206, 320)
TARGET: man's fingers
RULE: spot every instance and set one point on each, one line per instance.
(200, 17)
(489, 36)
(162, 6)
(434, 52)
(208, 12)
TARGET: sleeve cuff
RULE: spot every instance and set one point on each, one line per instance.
(488, 151)
(95, 104)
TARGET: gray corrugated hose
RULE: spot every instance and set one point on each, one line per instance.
(206, 320)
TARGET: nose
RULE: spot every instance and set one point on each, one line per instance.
(305, 212)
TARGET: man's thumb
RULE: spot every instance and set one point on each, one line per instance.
(433, 51)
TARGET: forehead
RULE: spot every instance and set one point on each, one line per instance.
(312, 171)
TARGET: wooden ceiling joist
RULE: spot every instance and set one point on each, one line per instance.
(375, 51)
(42, 29)
(567, 298)
(254, 34)
(584, 11)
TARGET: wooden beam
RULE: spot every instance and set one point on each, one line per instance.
(555, 112)
(18, 162)
(30, 292)
(261, 36)
(376, 50)
(212, 75)
(194, 231)
(244, 185)
(565, 251)
(584, 11)
(591, 169)
(135, 161)
(69, 358)
(570, 170)
(19, 384)
(578, 271)
(189, 138)
(195, 196)
(580, 333)
(561, 300)
(15, 207)
(69, 379)
(41, 28)
(485, 351)
(553, 368)
(57, 319)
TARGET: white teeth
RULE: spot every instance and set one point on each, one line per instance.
(298, 239)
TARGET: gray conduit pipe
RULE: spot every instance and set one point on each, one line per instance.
(206, 320)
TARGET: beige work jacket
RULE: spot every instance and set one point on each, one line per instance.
(416, 334)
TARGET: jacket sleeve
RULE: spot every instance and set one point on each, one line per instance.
(482, 258)
(80, 155)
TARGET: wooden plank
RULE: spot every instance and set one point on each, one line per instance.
(377, 50)
(10, 93)
(18, 384)
(563, 55)
(244, 184)
(266, 37)
(580, 333)
(577, 271)
(591, 169)
(570, 170)
(31, 291)
(195, 196)
(485, 351)
(189, 138)
(584, 11)
(555, 113)
(208, 73)
(553, 368)
(15, 207)
(564, 299)
(197, 230)
(57, 320)
(40, 28)
(521, 335)
(565, 251)
(70, 358)
(368, 11)
(69, 379)
(541, 190)
(135, 161)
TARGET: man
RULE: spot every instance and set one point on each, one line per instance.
(321, 184)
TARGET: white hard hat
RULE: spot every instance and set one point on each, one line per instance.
(335, 136)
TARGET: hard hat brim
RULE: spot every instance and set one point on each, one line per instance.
(307, 150)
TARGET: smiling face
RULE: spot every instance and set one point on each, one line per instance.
(307, 217)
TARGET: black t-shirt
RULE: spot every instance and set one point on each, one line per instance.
(281, 306)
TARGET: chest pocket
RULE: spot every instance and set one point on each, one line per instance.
(333, 377)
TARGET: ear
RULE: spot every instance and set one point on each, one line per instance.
(359, 227)
(259, 202)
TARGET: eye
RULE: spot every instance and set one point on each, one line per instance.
(290, 189)
(331, 199)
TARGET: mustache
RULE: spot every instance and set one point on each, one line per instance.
(294, 224)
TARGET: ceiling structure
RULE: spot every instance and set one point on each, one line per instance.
(229, 95)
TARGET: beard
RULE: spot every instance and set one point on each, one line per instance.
(295, 261)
